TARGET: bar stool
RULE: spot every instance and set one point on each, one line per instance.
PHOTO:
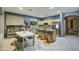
(49, 36)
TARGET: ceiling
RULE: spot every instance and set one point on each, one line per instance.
(40, 11)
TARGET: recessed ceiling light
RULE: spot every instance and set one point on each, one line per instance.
(51, 7)
(58, 11)
(21, 8)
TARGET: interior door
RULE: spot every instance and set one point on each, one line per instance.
(72, 25)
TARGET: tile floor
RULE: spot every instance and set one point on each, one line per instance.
(67, 43)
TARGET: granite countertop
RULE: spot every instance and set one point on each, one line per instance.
(45, 29)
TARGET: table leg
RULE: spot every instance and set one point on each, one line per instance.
(33, 40)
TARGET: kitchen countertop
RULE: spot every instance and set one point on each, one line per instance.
(45, 29)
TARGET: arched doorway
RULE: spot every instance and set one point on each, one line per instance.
(71, 25)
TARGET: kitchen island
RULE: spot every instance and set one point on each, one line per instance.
(46, 34)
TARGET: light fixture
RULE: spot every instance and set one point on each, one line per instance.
(21, 8)
(51, 7)
(58, 11)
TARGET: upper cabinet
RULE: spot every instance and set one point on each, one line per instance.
(14, 20)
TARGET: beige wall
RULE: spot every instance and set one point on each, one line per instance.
(14, 20)
(2, 24)
(1, 30)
